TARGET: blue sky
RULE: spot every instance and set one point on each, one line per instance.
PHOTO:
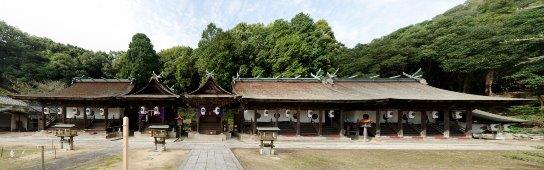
(109, 24)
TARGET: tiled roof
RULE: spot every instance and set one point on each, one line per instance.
(349, 90)
(87, 89)
(8, 101)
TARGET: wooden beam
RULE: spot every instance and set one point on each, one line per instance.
(400, 132)
(468, 129)
(446, 123)
(298, 123)
(423, 116)
(378, 118)
(341, 128)
(41, 121)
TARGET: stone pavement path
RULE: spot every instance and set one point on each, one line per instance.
(210, 156)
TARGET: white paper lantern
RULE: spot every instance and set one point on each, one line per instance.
(46, 110)
(156, 111)
(434, 114)
(310, 112)
(203, 111)
(60, 111)
(331, 113)
(217, 110)
(101, 112)
(411, 114)
(143, 110)
(75, 111)
(88, 112)
(287, 112)
(389, 114)
(457, 115)
(265, 113)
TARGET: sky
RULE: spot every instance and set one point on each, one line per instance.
(104, 25)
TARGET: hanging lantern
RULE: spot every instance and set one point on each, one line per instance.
(389, 114)
(457, 115)
(434, 114)
(287, 113)
(142, 110)
(310, 113)
(202, 111)
(265, 113)
(411, 114)
(217, 110)
(156, 111)
(331, 113)
(60, 111)
(101, 112)
(46, 110)
(88, 112)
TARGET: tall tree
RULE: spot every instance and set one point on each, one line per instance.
(141, 60)
(179, 70)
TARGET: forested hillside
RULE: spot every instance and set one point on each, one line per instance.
(478, 44)
(465, 49)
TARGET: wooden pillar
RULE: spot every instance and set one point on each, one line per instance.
(84, 118)
(446, 123)
(423, 132)
(400, 132)
(342, 117)
(221, 123)
(254, 123)
(277, 118)
(41, 121)
(468, 128)
(63, 113)
(298, 122)
(320, 117)
(378, 118)
(106, 119)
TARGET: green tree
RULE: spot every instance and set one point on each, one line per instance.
(141, 60)
(179, 69)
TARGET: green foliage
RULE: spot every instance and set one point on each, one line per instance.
(178, 69)
(458, 47)
(282, 48)
(141, 60)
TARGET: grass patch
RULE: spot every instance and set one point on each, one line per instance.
(107, 162)
(529, 156)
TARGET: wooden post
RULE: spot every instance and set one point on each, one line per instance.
(221, 123)
(378, 125)
(106, 117)
(125, 143)
(254, 123)
(400, 132)
(84, 118)
(342, 131)
(42, 149)
(277, 118)
(468, 129)
(446, 123)
(298, 122)
(320, 123)
(423, 132)
(41, 123)
(63, 113)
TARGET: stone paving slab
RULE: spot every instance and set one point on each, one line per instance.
(210, 156)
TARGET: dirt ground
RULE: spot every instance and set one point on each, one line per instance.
(140, 159)
(381, 159)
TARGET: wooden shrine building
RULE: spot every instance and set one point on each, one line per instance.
(297, 106)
